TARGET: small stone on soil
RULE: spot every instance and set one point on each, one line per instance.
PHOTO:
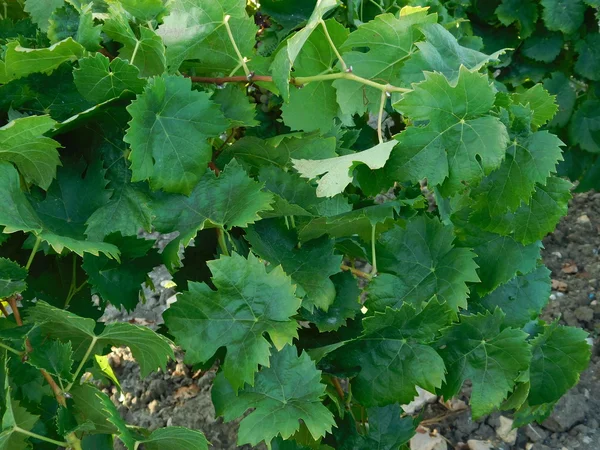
(479, 445)
(425, 441)
(506, 432)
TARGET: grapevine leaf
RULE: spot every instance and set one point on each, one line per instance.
(125, 434)
(22, 142)
(288, 391)
(560, 86)
(584, 128)
(12, 278)
(175, 438)
(168, 134)
(438, 268)
(524, 13)
(248, 303)
(345, 305)
(149, 349)
(337, 172)
(529, 161)
(541, 103)
(144, 10)
(441, 52)
(588, 64)
(544, 46)
(147, 52)
(563, 15)
(477, 349)
(390, 40)
(315, 106)
(560, 354)
(20, 62)
(120, 282)
(461, 143)
(98, 79)
(309, 266)
(88, 407)
(15, 418)
(394, 355)
(286, 56)
(521, 299)
(55, 358)
(57, 220)
(69, 22)
(235, 106)
(528, 414)
(230, 200)
(41, 10)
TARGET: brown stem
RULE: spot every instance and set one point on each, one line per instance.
(60, 398)
(234, 79)
(358, 273)
(12, 301)
(3, 310)
(338, 387)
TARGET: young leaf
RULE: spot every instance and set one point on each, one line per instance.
(284, 393)
(12, 278)
(337, 172)
(462, 142)
(248, 303)
(98, 79)
(541, 103)
(477, 349)
(168, 134)
(23, 143)
(273, 242)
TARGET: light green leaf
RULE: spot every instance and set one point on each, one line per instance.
(146, 52)
(273, 242)
(560, 354)
(68, 21)
(563, 15)
(541, 103)
(41, 10)
(143, 10)
(461, 143)
(12, 278)
(248, 303)
(522, 12)
(23, 143)
(20, 62)
(98, 79)
(168, 134)
(287, 392)
(477, 349)
(588, 61)
(175, 438)
(337, 172)
(394, 354)
(584, 128)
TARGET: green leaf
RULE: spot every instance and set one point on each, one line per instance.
(273, 242)
(563, 15)
(477, 349)
(588, 64)
(146, 52)
(41, 10)
(120, 283)
(286, 56)
(175, 438)
(55, 358)
(541, 103)
(345, 305)
(390, 40)
(394, 354)
(68, 21)
(287, 392)
(149, 349)
(248, 303)
(584, 128)
(230, 200)
(103, 369)
(523, 13)
(314, 107)
(521, 299)
(15, 417)
(437, 267)
(441, 52)
(56, 220)
(560, 354)
(12, 278)
(461, 143)
(23, 143)
(125, 434)
(560, 86)
(236, 106)
(166, 119)
(543, 46)
(88, 408)
(98, 79)
(143, 10)
(337, 172)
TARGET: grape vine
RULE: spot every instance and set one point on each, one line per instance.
(354, 209)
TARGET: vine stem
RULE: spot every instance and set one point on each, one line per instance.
(3, 310)
(235, 47)
(40, 437)
(358, 273)
(334, 48)
(33, 252)
(222, 243)
(373, 253)
(10, 349)
(135, 50)
(338, 387)
(380, 116)
(82, 363)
